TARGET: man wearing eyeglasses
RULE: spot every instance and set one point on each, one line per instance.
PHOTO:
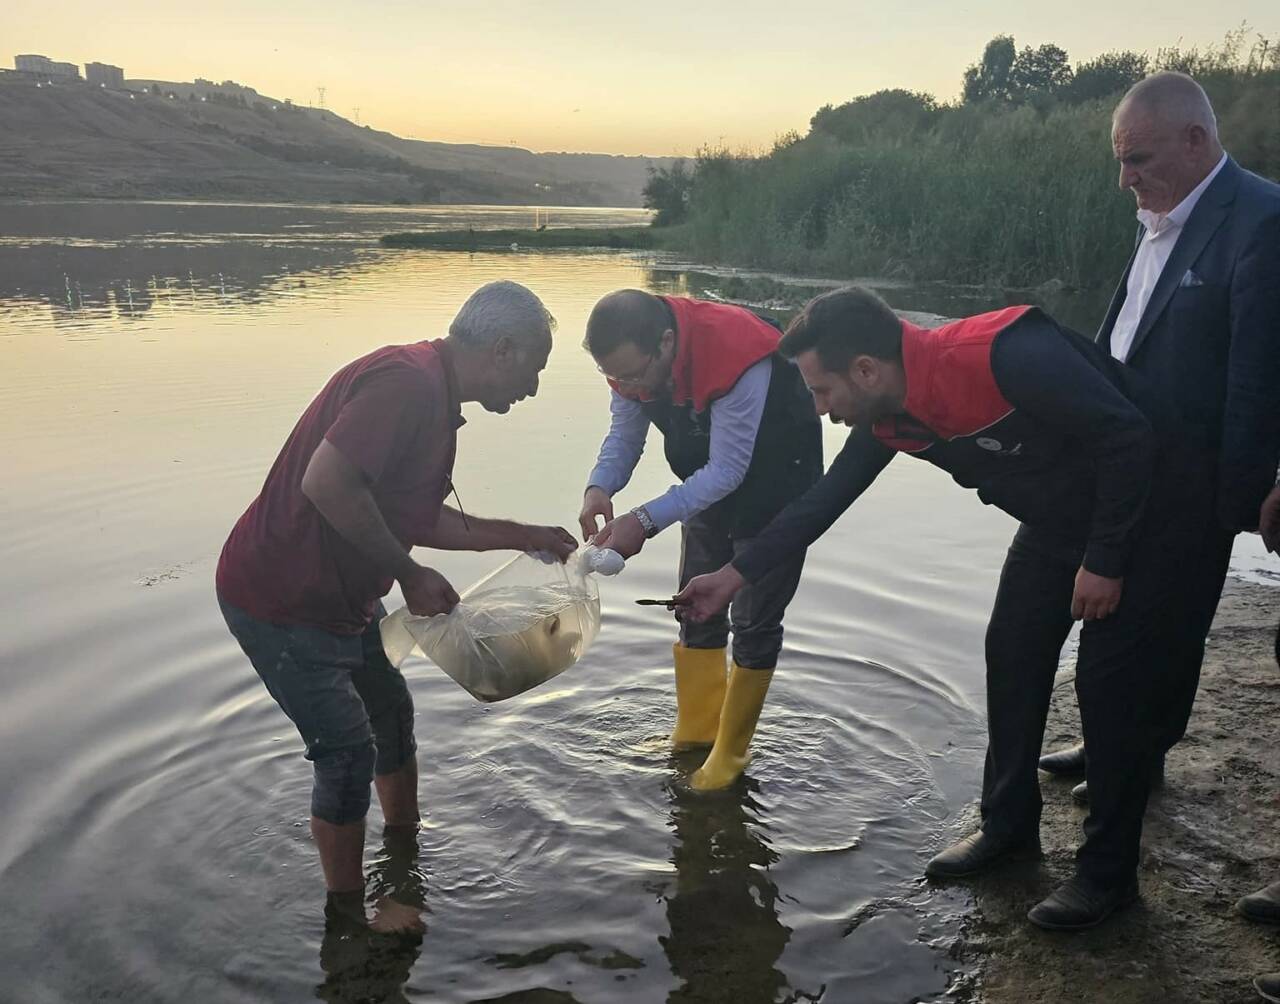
(740, 431)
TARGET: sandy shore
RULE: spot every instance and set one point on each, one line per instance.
(1212, 835)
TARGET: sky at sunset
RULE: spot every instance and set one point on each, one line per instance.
(658, 78)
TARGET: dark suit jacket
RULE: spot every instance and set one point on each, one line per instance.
(1209, 338)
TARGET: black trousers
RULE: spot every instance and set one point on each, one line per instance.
(1203, 571)
(1204, 553)
(1124, 662)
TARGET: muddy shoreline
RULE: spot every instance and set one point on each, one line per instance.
(1211, 836)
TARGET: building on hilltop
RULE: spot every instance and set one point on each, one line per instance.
(104, 75)
(227, 85)
(43, 66)
(33, 64)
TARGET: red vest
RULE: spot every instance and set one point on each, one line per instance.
(950, 386)
(715, 344)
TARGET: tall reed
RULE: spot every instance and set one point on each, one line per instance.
(988, 192)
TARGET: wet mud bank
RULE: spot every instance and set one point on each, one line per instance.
(1211, 836)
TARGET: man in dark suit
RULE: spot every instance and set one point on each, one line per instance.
(1198, 314)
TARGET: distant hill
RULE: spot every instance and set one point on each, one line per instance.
(163, 139)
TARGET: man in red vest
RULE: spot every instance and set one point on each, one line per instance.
(1048, 427)
(739, 430)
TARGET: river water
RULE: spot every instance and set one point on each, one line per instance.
(155, 800)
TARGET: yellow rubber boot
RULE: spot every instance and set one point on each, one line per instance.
(700, 684)
(742, 703)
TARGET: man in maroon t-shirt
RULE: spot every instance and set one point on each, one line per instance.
(361, 480)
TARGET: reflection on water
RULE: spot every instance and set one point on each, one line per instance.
(155, 799)
(725, 938)
(115, 224)
(359, 964)
(124, 259)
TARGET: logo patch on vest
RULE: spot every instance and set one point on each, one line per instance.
(995, 446)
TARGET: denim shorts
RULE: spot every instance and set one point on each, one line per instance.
(351, 707)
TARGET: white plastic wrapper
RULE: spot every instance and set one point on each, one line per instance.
(603, 560)
(518, 627)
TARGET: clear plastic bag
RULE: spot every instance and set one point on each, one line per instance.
(519, 626)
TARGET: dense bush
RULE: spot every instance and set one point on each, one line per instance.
(1016, 184)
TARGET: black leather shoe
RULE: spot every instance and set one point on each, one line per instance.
(1069, 762)
(1079, 903)
(978, 852)
(1262, 906)
(1080, 793)
(1268, 987)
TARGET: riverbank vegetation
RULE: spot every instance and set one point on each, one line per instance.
(634, 238)
(1014, 183)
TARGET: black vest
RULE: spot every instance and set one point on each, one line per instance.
(785, 463)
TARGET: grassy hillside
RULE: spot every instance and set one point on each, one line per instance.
(184, 140)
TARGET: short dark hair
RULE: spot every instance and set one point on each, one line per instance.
(844, 323)
(626, 315)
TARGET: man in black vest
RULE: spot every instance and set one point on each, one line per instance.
(1198, 314)
(740, 432)
(1052, 430)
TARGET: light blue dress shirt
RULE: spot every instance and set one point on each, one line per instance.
(735, 420)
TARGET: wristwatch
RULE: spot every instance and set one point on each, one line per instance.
(646, 521)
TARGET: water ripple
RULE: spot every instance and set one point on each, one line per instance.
(157, 845)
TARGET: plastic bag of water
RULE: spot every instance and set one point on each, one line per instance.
(519, 626)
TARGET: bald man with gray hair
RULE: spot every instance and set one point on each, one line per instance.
(1197, 314)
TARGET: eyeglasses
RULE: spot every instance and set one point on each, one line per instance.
(636, 378)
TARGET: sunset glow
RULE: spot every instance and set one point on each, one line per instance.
(662, 78)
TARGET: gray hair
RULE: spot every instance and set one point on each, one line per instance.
(503, 308)
(1174, 99)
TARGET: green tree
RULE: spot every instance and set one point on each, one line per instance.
(892, 113)
(667, 193)
(1107, 75)
(989, 79)
(1041, 72)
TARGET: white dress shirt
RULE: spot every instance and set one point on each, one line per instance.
(735, 420)
(1153, 253)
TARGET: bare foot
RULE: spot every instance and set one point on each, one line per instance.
(392, 917)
